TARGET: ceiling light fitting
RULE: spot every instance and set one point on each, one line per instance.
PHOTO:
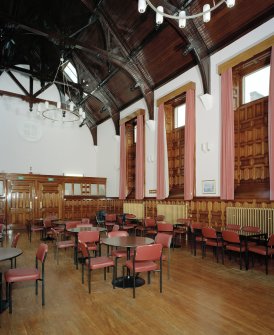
(62, 112)
(181, 14)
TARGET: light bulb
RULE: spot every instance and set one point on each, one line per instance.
(182, 20)
(206, 16)
(159, 17)
(142, 5)
(230, 3)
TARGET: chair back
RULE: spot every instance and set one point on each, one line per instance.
(115, 227)
(196, 225)
(47, 222)
(251, 229)
(270, 242)
(110, 218)
(72, 224)
(15, 240)
(83, 248)
(100, 215)
(85, 221)
(160, 218)
(118, 233)
(209, 232)
(164, 239)
(151, 252)
(233, 226)
(165, 227)
(55, 234)
(130, 216)
(84, 225)
(87, 236)
(149, 222)
(42, 252)
(230, 236)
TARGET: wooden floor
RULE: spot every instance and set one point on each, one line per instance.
(201, 297)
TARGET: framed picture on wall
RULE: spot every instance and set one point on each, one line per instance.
(209, 186)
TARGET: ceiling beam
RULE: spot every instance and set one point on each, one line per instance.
(133, 66)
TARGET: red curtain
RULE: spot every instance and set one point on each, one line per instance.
(227, 144)
(271, 125)
(161, 182)
(123, 163)
(189, 165)
(139, 165)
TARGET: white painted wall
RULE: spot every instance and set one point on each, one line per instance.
(27, 140)
(108, 154)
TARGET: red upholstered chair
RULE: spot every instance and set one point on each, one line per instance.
(47, 228)
(235, 227)
(84, 225)
(115, 227)
(28, 274)
(150, 228)
(266, 250)
(164, 227)
(110, 221)
(15, 240)
(60, 244)
(118, 253)
(160, 218)
(85, 220)
(32, 228)
(196, 235)
(145, 260)
(179, 232)
(210, 238)
(91, 239)
(14, 245)
(94, 263)
(232, 243)
(69, 225)
(128, 224)
(165, 240)
(140, 228)
(251, 229)
(72, 224)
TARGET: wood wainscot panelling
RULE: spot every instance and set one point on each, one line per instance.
(29, 196)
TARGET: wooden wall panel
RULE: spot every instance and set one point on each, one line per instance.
(251, 146)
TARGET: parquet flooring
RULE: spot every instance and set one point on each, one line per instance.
(201, 297)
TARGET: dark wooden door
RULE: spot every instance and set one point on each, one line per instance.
(20, 202)
(49, 200)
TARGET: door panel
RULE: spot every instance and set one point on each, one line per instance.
(49, 201)
(20, 201)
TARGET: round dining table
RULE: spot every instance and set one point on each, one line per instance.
(7, 254)
(127, 242)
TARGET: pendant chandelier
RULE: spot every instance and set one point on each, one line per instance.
(181, 16)
(65, 112)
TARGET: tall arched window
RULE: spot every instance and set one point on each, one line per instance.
(132, 156)
(179, 109)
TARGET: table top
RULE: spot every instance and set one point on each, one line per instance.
(8, 253)
(127, 241)
(85, 228)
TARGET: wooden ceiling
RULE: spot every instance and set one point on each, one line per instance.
(120, 55)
